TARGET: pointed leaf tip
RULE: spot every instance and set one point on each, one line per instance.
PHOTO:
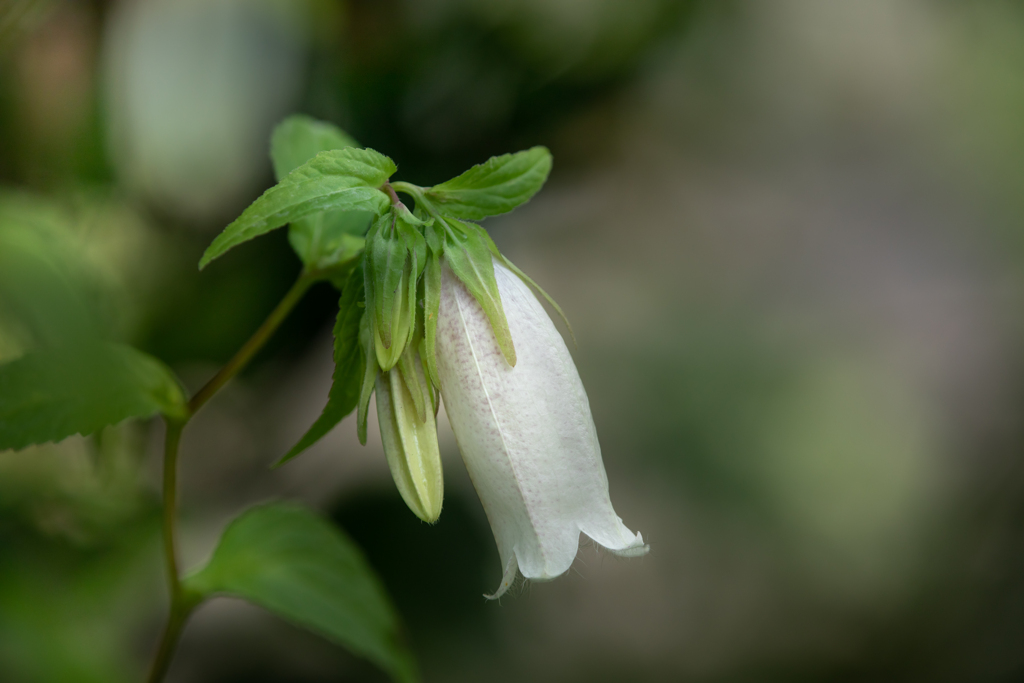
(340, 179)
(348, 367)
(470, 260)
(306, 570)
(496, 186)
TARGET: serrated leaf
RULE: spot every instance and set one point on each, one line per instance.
(348, 366)
(49, 395)
(306, 570)
(496, 186)
(468, 256)
(324, 239)
(343, 179)
(299, 138)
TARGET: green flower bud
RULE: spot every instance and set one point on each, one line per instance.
(410, 441)
(400, 325)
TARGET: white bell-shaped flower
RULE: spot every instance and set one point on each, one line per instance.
(525, 432)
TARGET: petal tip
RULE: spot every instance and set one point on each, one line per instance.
(635, 549)
(509, 577)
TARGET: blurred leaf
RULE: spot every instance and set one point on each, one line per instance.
(496, 186)
(348, 366)
(69, 615)
(434, 234)
(469, 257)
(299, 138)
(329, 237)
(51, 394)
(306, 570)
(51, 291)
(337, 179)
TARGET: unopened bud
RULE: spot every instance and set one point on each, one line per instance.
(410, 442)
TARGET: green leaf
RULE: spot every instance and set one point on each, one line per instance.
(329, 238)
(342, 179)
(467, 254)
(496, 186)
(304, 569)
(48, 395)
(348, 366)
(299, 138)
(324, 239)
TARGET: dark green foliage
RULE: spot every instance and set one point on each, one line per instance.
(348, 366)
(496, 186)
(344, 179)
(302, 568)
(48, 395)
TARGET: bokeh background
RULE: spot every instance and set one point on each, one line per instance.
(789, 236)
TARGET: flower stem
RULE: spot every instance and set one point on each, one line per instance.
(255, 343)
(182, 604)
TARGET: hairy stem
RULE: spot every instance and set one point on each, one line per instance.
(181, 603)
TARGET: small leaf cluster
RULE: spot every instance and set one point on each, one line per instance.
(348, 225)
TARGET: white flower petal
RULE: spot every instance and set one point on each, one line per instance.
(525, 432)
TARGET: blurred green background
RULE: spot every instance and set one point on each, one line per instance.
(789, 238)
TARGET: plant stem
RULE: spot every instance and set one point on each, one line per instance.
(181, 603)
(172, 631)
(255, 343)
(170, 496)
(179, 610)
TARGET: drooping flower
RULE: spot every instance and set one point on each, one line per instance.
(430, 309)
(525, 432)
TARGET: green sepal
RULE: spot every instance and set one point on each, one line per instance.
(431, 307)
(525, 278)
(410, 446)
(406, 368)
(469, 257)
(496, 186)
(341, 179)
(388, 265)
(408, 227)
(349, 366)
(371, 368)
(431, 388)
(433, 233)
